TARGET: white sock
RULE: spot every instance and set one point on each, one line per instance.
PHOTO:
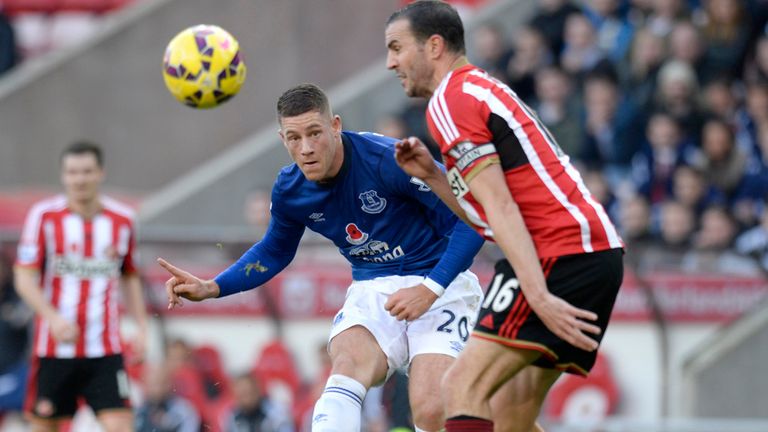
(339, 407)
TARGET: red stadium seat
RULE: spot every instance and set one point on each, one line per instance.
(208, 360)
(275, 367)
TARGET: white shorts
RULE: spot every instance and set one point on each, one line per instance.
(443, 329)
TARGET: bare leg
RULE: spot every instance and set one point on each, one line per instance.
(117, 420)
(426, 373)
(481, 369)
(517, 404)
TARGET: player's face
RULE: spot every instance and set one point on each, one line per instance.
(81, 176)
(408, 58)
(313, 140)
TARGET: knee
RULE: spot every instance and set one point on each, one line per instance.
(451, 382)
(428, 415)
(343, 363)
(461, 383)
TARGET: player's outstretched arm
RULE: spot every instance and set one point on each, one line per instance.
(183, 284)
(566, 321)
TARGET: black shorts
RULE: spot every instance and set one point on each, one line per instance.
(56, 384)
(588, 281)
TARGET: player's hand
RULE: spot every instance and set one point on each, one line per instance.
(138, 346)
(414, 158)
(410, 303)
(567, 322)
(183, 284)
(64, 331)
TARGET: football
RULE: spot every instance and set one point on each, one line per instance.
(203, 67)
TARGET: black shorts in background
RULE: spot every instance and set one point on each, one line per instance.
(588, 281)
(55, 384)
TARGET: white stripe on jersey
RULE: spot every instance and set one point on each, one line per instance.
(35, 217)
(102, 245)
(443, 107)
(475, 218)
(613, 236)
(497, 107)
(74, 248)
(437, 114)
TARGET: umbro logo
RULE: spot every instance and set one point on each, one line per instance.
(317, 217)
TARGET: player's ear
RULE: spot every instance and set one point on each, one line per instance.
(435, 46)
(336, 123)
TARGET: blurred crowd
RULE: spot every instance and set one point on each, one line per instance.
(662, 104)
(189, 390)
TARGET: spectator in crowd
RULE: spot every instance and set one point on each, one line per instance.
(676, 225)
(163, 409)
(754, 242)
(550, 19)
(720, 99)
(677, 94)
(691, 189)
(666, 149)
(639, 70)
(712, 246)
(253, 411)
(717, 230)
(613, 30)
(750, 197)
(15, 323)
(580, 53)
(491, 50)
(635, 221)
(612, 128)
(8, 56)
(723, 163)
(757, 65)
(530, 54)
(751, 119)
(686, 45)
(726, 31)
(558, 109)
(663, 16)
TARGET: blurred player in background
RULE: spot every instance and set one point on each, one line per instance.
(509, 179)
(409, 257)
(74, 250)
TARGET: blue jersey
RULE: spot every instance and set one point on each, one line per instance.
(383, 221)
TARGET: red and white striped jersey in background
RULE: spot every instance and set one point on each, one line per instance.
(478, 121)
(80, 263)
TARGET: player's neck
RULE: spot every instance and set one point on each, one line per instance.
(86, 209)
(448, 66)
(458, 62)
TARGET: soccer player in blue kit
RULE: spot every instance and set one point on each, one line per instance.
(412, 302)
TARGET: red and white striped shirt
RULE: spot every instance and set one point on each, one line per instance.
(478, 121)
(80, 261)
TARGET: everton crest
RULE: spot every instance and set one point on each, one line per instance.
(372, 203)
